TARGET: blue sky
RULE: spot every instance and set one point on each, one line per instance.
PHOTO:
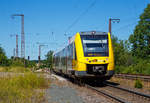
(42, 17)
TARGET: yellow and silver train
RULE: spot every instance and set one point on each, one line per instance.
(88, 55)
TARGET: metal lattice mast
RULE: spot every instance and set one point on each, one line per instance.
(16, 49)
(39, 57)
(22, 38)
(22, 35)
(16, 45)
(40, 46)
(14, 52)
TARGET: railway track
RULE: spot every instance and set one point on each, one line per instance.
(145, 96)
(134, 76)
(118, 99)
(129, 96)
(117, 93)
(101, 92)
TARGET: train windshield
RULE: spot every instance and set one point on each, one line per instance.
(95, 45)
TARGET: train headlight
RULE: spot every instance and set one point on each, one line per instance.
(95, 60)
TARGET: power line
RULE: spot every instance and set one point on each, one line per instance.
(79, 17)
(127, 25)
(112, 20)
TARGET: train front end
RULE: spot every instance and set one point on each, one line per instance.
(94, 53)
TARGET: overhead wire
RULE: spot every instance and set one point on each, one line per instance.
(127, 25)
(79, 17)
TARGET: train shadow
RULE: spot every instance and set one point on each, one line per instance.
(83, 82)
(112, 83)
(101, 83)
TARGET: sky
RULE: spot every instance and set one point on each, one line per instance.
(51, 22)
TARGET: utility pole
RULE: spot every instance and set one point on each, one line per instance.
(16, 51)
(28, 58)
(39, 57)
(16, 46)
(22, 35)
(112, 20)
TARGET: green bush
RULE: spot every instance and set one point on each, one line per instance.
(138, 84)
(139, 67)
(17, 63)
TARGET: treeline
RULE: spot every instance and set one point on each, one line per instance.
(4, 61)
(48, 62)
(13, 61)
(133, 55)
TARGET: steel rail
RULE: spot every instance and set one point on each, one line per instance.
(130, 91)
(128, 76)
(107, 94)
(133, 74)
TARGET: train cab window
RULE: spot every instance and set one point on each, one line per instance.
(95, 45)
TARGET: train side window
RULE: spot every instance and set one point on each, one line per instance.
(75, 51)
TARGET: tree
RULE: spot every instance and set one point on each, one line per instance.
(49, 59)
(140, 39)
(3, 58)
(121, 51)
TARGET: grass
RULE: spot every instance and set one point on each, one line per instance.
(16, 69)
(27, 88)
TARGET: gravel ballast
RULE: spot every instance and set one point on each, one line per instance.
(57, 94)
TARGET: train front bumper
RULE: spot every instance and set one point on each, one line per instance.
(83, 74)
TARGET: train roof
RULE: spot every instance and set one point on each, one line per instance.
(82, 33)
(93, 33)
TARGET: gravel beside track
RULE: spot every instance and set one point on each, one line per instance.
(67, 92)
(59, 94)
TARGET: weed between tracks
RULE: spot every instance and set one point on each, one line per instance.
(138, 84)
(131, 83)
(27, 88)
